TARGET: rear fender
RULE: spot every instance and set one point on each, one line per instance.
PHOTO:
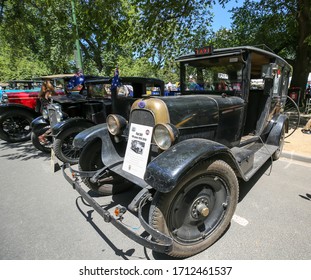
(276, 131)
(69, 123)
(167, 170)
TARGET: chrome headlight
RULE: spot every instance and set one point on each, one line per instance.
(58, 112)
(164, 135)
(45, 114)
(116, 124)
(4, 98)
(59, 116)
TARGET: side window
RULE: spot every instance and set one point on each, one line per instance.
(98, 90)
(125, 90)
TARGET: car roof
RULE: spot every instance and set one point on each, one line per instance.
(125, 80)
(57, 76)
(231, 51)
(21, 81)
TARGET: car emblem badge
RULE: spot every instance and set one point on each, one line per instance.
(141, 104)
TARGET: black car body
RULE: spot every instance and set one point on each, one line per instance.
(68, 115)
(194, 148)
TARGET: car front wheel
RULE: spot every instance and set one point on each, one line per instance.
(63, 145)
(198, 210)
(43, 140)
(110, 183)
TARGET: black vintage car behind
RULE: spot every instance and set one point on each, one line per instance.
(193, 148)
(70, 114)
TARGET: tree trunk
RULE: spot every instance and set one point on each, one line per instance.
(302, 64)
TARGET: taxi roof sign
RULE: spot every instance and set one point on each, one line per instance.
(203, 50)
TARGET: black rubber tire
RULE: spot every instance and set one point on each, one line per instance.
(46, 148)
(90, 160)
(276, 155)
(63, 145)
(15, 125)
(212, 186)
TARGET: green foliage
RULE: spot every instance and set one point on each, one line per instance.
(109, 31)
(282, 25)
(143, 37)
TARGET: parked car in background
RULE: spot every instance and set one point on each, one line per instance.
(68, 115)
(17, 109)
(18, 106)
(187, 153)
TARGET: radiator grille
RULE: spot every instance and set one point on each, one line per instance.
(52, 116)
(142, 117)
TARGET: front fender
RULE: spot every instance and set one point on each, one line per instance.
(89, 134)
(68, 123)
(38, 123)
(166, 170)
(4, 107)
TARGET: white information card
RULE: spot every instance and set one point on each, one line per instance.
(137, 149)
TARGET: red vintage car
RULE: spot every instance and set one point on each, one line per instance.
(18, 106)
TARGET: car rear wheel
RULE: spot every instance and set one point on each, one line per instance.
(276, 155)
(15, 125)
(110, 183)
(198, 210)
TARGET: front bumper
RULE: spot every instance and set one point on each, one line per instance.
(164, 243)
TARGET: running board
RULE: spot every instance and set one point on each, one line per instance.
(260, 158)
(252, 158)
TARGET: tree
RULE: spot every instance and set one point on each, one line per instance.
(108, 30)
(283, 25)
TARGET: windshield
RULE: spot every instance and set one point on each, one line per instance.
(216, 74)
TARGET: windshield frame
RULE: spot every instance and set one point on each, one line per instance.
(234, 59)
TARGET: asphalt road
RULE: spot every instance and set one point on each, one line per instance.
(43, 218)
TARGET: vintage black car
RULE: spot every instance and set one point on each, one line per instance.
(224, 126)
(68, 115)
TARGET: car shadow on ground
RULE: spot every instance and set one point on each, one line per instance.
(245, 187)
(121, 199)
(125, 198)
(307, 196)
(21, 151)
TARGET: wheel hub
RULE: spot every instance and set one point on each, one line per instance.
(199, 208)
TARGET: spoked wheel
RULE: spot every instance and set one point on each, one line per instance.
(198, 210)
(291, 109)
(110, 183)
(43, 140)
(63, 146)
(15, 126)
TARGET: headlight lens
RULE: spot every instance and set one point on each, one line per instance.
(164, 135)
(45, 114)
(59, 116)
(4, 98)
(57, 108)
(116, 124)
